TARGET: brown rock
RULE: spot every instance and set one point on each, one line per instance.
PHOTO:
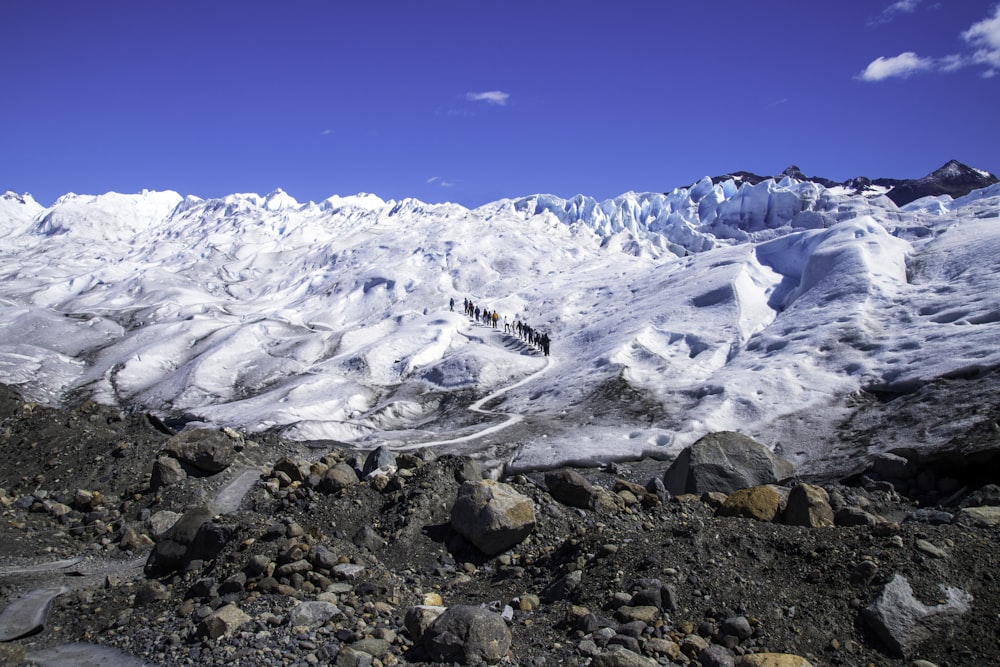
(772, 660)
(758, 502)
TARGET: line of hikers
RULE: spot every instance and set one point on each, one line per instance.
(517, 327)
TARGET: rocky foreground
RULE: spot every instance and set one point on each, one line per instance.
(125, 543)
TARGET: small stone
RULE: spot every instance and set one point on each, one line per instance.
(563, 588)
(646, 614)
(716, 656)
(664, 647)
(312, 613)
(854, 516)
(738, 626)
(348, 571)
(929, 549)
(772, 660)
(223, 622)
(167, 471)
(617, 656)
(528, 602)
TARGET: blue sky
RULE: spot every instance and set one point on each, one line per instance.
(471, 101)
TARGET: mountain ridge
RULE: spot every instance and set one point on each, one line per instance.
(953, 178)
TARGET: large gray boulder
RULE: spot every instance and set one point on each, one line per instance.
(570, 488)
(467, 635)
(725, 462)
(901, 621)
(195, 536)
(207, 450)
(492, 515)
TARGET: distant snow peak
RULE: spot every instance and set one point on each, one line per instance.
(953, 178)
(279, 199)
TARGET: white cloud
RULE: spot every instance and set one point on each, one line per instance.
(985, 38)
(497, 97)
(326, 132)
(902, 65)
(896, 8)
(440, 181)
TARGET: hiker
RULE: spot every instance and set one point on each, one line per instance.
(506, 325)
(496, 317)
(451, 304)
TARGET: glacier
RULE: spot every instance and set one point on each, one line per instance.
(768, 308)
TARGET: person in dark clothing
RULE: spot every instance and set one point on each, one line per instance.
(451, 304)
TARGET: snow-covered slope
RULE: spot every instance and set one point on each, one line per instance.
(712, 307)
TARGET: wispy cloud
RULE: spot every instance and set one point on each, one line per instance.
(497, 97)
(902, 66)
(890, 13)
(440, 182)
(326, 132)
(777, 103)
(983, 37)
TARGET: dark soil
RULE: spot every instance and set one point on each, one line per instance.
(798, 587)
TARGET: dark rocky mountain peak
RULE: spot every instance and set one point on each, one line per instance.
(953, 178)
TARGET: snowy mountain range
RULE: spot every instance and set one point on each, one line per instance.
(771, 306)
(953, 178)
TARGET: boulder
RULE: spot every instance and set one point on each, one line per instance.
(296, 469)
(762, 503)
(726, 462)
(419, 618)
(892, 465)
(193, 537)
(808, 505)
(467, 635)
(166, 471)
(492, 515)
(381, 459)
(160, 522)
(854, 516)
(570, 488)
(338, 478)
(901, 621)
(207, 450)
(981, 517)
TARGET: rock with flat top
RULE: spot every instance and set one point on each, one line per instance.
(726, 462)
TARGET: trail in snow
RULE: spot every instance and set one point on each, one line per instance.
(477, 407)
